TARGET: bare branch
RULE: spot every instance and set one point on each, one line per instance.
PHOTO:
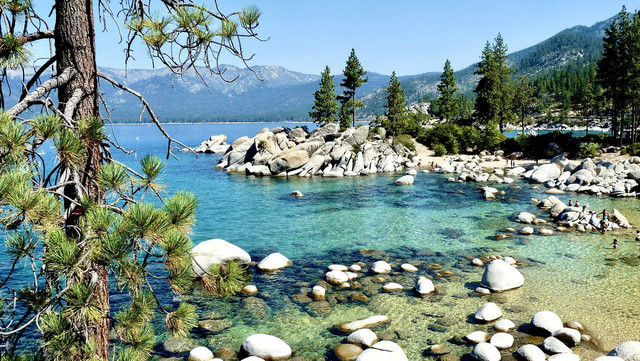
(146, 105)
(70, 106)
(40, 91)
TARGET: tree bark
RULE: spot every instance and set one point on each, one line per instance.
(75, 48)
(354, 108)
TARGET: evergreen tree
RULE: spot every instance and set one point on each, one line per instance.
(493, 90)
(397, 115)
(80, 218)
(587, 101)
(523, 100)
(353, 79)
(447, 102)
(325, 102)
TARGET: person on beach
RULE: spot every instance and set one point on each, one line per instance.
(615, 244)
(450, 161)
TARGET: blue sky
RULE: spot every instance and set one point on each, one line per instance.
(409, 36)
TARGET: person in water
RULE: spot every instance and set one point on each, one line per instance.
(637, 236)
(615, 244)
(570, 203)
(605, 221)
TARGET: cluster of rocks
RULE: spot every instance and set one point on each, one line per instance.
(257, 347)
(619, 179)
(363, 345)
(580, 217)
(327, 152)
(217, 144)
(559, 337)
(218, 251)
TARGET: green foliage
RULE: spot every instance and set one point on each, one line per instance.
(325, 102)
(16, 55)
(396, 118)
(447, 88)
(353, 79)
(225, 280)
(631, 149)
(406, 140)
(493, 102)
(182, 320)
(151, 168)
(63, 254)
(71, 151)
(181, 210)
(590, 150)
(46, 126)
(439, 150)
(113, 176)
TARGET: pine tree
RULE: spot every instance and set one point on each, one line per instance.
(397, 116)
(587, 103)
(80, 218)
(325, 103)
(447, 102)
(353, 79)
(523, 100)
(494, 87)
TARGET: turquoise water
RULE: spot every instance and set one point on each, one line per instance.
(435, 224)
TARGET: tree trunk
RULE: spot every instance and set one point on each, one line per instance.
(75, 48)
(522, 120)
(354, 108)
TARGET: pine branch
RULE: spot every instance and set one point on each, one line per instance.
(24, 39)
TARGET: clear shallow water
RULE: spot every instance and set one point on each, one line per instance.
(432, 222)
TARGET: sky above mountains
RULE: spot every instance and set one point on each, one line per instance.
(408, 36)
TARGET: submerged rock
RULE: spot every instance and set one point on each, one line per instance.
(406, 180)
(424, 286)
(347, 351)
(368, 322)
(381, 267)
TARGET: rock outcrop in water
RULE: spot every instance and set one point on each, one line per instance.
(326, 152)
(582, 218)
(216, 144)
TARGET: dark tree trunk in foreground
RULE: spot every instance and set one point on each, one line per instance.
(75, 48)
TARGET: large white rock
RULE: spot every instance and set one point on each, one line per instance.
(318, 293)
(553, 346)
(525, 217)
(216, 251)
(531, 353)
(478, 336)
(336, 277)
(488, 312)
(628, 351)
(200, 353)
(502, 341)
(504, 325)
(545, 173)
(547, 321)
(486, 352)
(368, 322)
(363, 337)
(267, 347)
(274, 262)
(406, 180)
(569, 336)
(408, 267)
(380, 267)
(392, 287)
(383, 351)
(424, 286)
(500, 276)
(564, 357)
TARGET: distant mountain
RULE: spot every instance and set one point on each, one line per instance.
(287, 95)
(576, 46)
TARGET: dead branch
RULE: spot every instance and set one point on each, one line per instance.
(40, 91)
(153, 116)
